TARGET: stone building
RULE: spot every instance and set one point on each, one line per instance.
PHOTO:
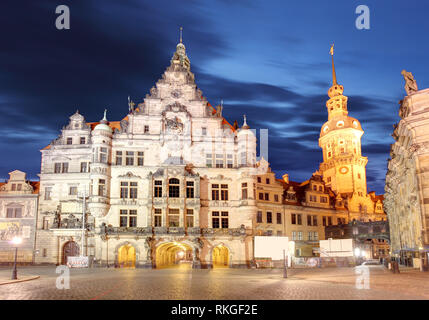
(172, 182)
(336, 194)
(18, 211)
(407, 179)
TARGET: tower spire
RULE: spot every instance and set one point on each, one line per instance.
(334, 75)
(181, 31)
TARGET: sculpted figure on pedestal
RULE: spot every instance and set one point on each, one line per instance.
(410, 82)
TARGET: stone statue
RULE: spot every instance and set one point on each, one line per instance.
(410, 82)
(124, 126)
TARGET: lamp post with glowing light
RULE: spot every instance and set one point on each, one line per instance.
(15, 241)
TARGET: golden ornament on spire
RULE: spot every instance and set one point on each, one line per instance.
(181, 28)
(334, 75)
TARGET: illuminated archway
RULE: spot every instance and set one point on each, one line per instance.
(127, 256)
(173, 254)
(220, 256)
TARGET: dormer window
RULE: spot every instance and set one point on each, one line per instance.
(82, 140)
(69, 140)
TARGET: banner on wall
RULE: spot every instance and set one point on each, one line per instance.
(78, 262)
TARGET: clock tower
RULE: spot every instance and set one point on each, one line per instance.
(343, 166)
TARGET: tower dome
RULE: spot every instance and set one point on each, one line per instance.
(103, 125)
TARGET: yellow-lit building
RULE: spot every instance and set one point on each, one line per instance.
(335, 194)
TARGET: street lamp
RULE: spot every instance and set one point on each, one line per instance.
(15, 241)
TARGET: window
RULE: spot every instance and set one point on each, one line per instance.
(313, 235)
(243, 158)
(158, 217)
(259, 217)
(128, 218)
(267, 197)
(174, 188)
(118, 158)
(323, 199)
(314, 187)
(45, 252)
(244, 191)
(299, 219)
(189, 189)
(69, 140)
(45, 225)
(300, 235)
(173, 217)
(146, 129)
(82, 140)
(321, 188)
(279, 218)
(293, 218)
(219, 161)
(158, 189)
(48, 193)
(19, 187)
(13, 187)
(61, 167)
(103, 155)
(72, 191)
(269, 217)
(229, 161)
(276, 198)
(215, 192)
(204, 131)
(324, 221)
(124, 190)
(261, 196)
(14, 212)
(215, 220)
(129, 160)
(140, 158)
(84, 167)
(209, 160)
(313, 198)
(225, 219)
(311, 220)
(133, 190)
(267, 181)
(259, 179)
(189, 218)
(293, 235)
(329, 221)
(101, 187)
(224, 192)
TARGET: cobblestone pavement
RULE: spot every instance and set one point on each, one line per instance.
(228, 284)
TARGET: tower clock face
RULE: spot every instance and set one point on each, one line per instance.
(344, 170)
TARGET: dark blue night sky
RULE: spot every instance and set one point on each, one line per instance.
(266, 59)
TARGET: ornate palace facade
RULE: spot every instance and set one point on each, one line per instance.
(164, 183)
(407, 179)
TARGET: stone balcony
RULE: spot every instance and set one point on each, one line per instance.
(219, 232)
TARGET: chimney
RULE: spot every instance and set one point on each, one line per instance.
(286, 178)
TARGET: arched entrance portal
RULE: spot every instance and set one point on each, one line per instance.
(127, 256)
(220, 257)
(174, 254)
(70, 249)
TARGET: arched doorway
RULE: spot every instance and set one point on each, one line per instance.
(220, 257)
(127, 256)
(174, 254)
(70, 249)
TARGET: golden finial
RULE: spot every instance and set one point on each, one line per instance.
(181, 29)
(334, 75)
